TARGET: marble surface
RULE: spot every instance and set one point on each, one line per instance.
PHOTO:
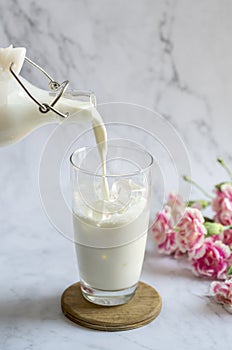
(171, 56)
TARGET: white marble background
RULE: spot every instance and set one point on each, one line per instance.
(171, 56)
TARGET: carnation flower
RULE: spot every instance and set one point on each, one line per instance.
(222, 204)
(226, 237)
(162, 225)
(222, 293)
(190, 230)
(177, 206)
(181, 230)
(211, 260)
(163, 228)
(169, 245)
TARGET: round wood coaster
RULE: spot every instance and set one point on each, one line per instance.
(144, 307)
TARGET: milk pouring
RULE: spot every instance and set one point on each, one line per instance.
(110, 230)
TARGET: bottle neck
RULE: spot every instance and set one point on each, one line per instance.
(74, 103)
(20, 115)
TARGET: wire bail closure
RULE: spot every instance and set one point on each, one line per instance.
(53, 85)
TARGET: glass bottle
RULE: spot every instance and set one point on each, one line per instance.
(20, 115)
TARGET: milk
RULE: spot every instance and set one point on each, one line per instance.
(111, 269)
(111, 246)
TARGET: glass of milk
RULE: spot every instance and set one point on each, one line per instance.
(110, 231)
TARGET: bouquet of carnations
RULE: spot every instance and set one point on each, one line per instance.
(181, 229)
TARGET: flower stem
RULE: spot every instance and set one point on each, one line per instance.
(188, 179)
(223, 164)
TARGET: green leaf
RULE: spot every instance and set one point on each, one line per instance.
(229, 271)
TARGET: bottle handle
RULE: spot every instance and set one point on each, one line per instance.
(53, 86)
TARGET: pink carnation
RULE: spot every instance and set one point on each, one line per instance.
(163, 232)
(222, 204)
(211, 260)
(226, 237)
(191, 230)
(177, 205)
(162, 225)
(222, 293)
(169, 245)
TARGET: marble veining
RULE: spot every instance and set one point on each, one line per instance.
(173, 56)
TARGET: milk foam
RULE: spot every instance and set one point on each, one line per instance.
(126, 201)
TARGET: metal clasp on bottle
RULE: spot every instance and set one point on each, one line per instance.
(53, 85)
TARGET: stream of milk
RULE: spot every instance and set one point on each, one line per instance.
(101, 141)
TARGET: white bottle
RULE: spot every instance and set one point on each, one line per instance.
(19, 114)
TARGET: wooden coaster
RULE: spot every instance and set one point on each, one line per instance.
(144, 307)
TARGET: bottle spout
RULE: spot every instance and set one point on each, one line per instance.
(9, 55)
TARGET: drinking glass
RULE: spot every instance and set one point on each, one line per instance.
(110, 234)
